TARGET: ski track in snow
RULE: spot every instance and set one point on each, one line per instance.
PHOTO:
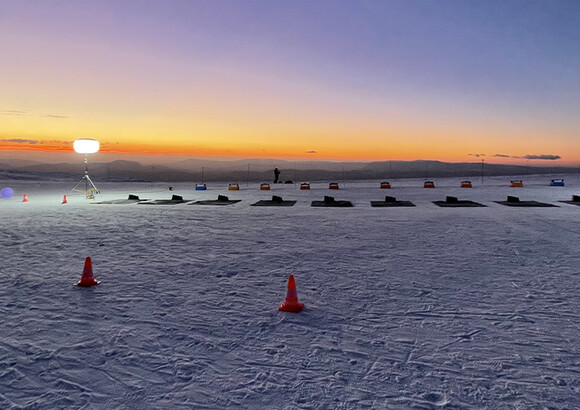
(418, 308)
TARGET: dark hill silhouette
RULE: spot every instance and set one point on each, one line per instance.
(196, 170)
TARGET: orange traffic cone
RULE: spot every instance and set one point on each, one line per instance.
(25, 198)
(291, 303)
(64, 201)
(87, 280)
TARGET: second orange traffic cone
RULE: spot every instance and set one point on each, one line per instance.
(87, 280)
(25, 198)
(64, 201)
(291, 303)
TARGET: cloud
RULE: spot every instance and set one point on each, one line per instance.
(477, 155)
(35, 142)
(549, 157)
(21, 141)
(18, 112)
(12, 112)
(54, 116)
(312, 152)
(55, 142)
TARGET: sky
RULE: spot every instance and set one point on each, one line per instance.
(454, 81)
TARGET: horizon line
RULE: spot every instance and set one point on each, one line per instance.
(545, 163)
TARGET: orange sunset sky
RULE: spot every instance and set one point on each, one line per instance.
(343, 80)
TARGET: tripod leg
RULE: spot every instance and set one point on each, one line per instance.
(90, 188)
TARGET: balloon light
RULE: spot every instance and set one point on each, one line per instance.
(7, 193)
(86, 146)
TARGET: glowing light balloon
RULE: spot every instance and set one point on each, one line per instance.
(7, 193)
(86, 146)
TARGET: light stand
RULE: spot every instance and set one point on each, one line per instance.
(90, 188)
(86, 146)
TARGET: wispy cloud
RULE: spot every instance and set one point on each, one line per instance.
(54, 116)
(477, 155)
(32, 114)
(21, 141)
(549, 157)
(312, 152)
(60, 142)
(25, 141)
(12, 112)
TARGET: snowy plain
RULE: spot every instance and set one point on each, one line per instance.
(405, 308)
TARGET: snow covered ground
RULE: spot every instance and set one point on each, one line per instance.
(421, 308)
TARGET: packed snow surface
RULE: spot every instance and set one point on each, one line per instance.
(422, 307)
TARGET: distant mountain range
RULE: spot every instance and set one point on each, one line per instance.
(196, 170)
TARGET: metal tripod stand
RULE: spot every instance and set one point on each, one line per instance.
(90, 188)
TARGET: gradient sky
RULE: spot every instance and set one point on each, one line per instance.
(346, 80)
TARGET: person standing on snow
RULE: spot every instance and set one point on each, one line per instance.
(276, 175)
